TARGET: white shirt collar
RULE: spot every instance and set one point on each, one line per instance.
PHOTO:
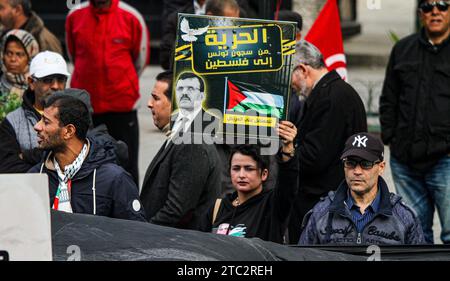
(190, 116)
(199, 10)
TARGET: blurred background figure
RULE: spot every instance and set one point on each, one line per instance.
(19, 48)
(108, 63)
(223, 8)
(17, 14)
(287, 15)
(296, 100)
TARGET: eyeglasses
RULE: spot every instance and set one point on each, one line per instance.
(189, 89)
(50, 79)
(427, 7)
(365, 164)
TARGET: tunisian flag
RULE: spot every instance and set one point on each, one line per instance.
(326, 35)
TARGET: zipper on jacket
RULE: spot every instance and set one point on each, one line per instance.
(358, 240)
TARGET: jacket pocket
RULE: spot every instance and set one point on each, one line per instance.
(407, 71)
(409, 81)
(439, 113)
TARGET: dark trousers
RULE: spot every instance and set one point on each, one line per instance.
(303, 203)
(123, 126)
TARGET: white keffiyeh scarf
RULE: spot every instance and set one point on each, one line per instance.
(62, 198)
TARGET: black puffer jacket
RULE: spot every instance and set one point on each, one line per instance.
(115, 195)
(415, 103)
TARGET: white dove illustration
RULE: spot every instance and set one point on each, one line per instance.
(191, 34)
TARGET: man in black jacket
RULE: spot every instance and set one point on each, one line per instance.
(83, 177)
(183, 178)
(415, 117)
(332, 112)
(19, 149)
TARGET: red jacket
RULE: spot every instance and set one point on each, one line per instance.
(109, 48)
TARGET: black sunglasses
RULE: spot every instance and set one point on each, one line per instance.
(427, 7)
(365, 164)
(49, 79)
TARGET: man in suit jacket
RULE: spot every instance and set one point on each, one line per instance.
(183, 179)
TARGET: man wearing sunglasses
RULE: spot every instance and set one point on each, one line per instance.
(415, 117)
(362, 211)
(18, 140)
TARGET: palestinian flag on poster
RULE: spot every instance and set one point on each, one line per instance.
(244, 96)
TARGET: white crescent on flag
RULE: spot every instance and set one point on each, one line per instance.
(326, 35)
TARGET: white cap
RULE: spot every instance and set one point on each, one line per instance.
(48, 63)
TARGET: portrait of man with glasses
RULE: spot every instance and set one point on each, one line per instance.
(190, 116)
(362, 211)
(415, 119)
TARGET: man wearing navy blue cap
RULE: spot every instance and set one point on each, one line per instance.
(362, 210)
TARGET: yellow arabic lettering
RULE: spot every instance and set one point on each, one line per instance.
(266, 61)
(264, 35)
(212, 40)
(263, 52)
(247, 38)
(211, 64)
(212, 54)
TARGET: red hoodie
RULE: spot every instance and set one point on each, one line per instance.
(109, 49)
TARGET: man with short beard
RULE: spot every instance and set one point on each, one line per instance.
(415, 117)
(362, 211)
(332, 112)
(18, 141)
(83, 176)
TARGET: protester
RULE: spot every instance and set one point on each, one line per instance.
(18, 140)
(19, 48)
(108, 66)
(160, 101)
(362, 210)
(183, 178)
(296, 101)
(252, 211)
(17, 14)
(414, 117)
(82, 176)
(332, 112)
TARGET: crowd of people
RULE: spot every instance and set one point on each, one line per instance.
(323, 186)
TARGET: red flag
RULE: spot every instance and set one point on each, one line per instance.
(326, 35)
(235, 96)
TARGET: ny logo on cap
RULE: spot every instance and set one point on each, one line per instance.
(360, 141)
